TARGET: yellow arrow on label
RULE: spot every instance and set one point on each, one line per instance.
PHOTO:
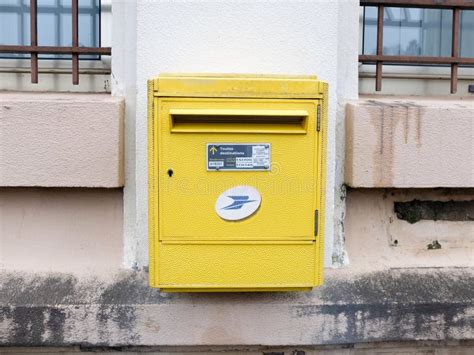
(213, 150)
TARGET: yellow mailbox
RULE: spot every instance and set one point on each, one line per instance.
(236, 182)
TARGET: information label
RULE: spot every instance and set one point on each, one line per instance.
(238, 156)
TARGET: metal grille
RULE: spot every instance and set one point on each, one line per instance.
(454, 60)
(33, 49)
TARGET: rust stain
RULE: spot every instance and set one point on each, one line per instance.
(407, 124)
(382, 120)
(412, 115)
(418, 127)
(385, 118)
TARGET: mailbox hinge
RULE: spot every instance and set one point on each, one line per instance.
(316, 215)
(318, 119)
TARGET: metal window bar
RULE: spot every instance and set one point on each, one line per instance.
(454, 60)
(34, 49)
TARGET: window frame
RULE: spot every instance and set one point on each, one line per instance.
(57, 66)
(362, 27)
(409, 70)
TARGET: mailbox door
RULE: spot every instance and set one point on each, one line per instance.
(188, 190)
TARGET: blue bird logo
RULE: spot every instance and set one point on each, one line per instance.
(238, 202)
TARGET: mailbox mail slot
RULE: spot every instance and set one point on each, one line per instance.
(236, 182)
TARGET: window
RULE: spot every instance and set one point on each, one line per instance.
(54, 25)
(417, 32)
(426, 41)
(51, 37)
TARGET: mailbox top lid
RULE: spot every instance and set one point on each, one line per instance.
(238, 86)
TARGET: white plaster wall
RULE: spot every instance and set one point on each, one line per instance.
(123, 76)
(274, 37)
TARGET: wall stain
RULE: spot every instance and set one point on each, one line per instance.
(383, 156)
(55, 325)
(416, 210)
(27, 325)
(385, 121)
(396, 322)
(392, 305)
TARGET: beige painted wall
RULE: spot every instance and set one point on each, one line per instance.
(61, 230)
(410, 142)
(376, 239)
(60, 139)
(80, 231)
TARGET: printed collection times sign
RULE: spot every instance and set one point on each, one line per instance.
(238, 156)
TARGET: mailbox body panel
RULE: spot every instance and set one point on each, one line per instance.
(188, 196)
(279, 247)
(236, 266)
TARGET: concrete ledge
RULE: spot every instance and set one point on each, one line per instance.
(392, 305)
(398, 142)
(64, 140)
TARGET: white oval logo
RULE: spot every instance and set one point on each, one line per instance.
(237, 203)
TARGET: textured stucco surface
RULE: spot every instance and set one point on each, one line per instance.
(50, 139)
(409, 142)
(61, 229)
(277, 37)
(391, 305)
